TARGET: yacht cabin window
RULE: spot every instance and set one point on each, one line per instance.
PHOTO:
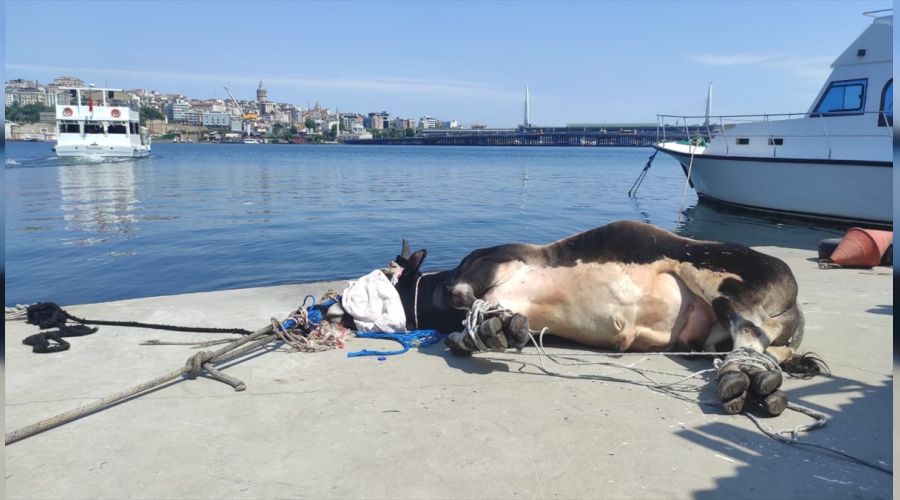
(886, 114)
(843, 97)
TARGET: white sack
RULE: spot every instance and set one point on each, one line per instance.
(374, 304)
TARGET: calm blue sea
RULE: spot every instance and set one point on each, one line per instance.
(197, 217)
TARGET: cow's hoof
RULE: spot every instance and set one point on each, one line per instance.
(734, 405)
(491, 333)
(765, 382)
(732, 383)
(774, 403)
(516, 328)
(458, 344)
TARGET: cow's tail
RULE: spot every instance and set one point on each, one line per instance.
(808, 364)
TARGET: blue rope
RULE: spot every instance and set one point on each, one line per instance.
(415, 338)
(314, 312)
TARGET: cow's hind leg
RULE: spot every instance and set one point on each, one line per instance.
(748, 377)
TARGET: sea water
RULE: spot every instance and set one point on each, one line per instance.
(202, 217)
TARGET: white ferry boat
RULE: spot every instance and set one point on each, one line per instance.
(99, 122)
(833, 162)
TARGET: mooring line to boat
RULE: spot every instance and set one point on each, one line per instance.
(687, 180)
(195, 365)
(640, 179)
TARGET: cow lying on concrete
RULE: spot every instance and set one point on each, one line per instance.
(626, 286)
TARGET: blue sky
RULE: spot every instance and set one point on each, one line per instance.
(605, 61)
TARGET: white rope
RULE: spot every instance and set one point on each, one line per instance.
(477, 313)
(416, 302)
(750, 358)
(17, 313)
(677, 385)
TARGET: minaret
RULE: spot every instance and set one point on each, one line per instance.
(527, 122)
(708, 104)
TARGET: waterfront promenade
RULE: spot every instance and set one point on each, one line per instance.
(426, 424)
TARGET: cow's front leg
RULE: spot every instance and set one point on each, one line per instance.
(499, 332)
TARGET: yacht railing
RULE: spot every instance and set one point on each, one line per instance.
(701, 128)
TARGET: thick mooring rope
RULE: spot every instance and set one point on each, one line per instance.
(195, 365)
(693, 382)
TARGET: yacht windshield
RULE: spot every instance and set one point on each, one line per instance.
(886, 117)
(848, 96)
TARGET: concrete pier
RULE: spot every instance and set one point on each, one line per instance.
(426, 424)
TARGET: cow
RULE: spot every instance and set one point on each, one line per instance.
(625, 286)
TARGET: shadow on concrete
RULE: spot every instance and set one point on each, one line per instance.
(468, 364)
(882, 309)
(767, 468)
(862, 428)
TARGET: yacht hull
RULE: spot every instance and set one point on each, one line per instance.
(824, 189)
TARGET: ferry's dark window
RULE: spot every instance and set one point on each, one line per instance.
(886, 117)
(847, 96)
(93, 128)
(116, 129)
(776, 141)
(742, 141)
(69, 128)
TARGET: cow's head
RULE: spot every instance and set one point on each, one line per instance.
(404, 273)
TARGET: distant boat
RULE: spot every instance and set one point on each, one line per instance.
(250, 140)
(833, 162)
(101, 122)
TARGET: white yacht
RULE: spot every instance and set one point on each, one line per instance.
(832, 162)
(99, 122)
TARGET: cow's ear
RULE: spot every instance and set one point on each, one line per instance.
(415, 261)
(404, 252)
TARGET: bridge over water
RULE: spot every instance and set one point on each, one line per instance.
(537, 136)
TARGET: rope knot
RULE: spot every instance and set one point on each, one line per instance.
(749, 358)
(195, 363)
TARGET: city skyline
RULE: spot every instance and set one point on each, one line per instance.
(582, 62)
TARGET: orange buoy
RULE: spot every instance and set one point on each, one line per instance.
(862, 247)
